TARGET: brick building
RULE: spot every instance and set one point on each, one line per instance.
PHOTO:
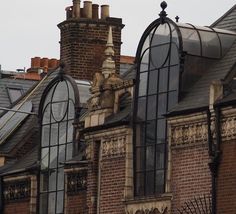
(156, 138)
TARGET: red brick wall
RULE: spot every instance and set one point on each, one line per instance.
(22, 207)
(77, 203)
(83, 43)
(190, 174)
(112, 185)
(226, 184)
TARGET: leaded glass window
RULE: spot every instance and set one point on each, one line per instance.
(57, 116)
(156, 92)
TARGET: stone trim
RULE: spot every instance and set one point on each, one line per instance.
(161, 205)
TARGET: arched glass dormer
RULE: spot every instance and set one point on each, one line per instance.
(170, 58)
(156, 91)
(57, 114)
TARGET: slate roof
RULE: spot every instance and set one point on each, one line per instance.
(25, 85)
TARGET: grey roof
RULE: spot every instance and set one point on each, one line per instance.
(130, 73)
(227, 21)
(25, 85)
(198, 95)
(29, 161)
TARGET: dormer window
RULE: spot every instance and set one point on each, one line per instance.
(14, 93)
(57, 110)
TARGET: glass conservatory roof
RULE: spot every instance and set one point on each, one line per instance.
(205, 41)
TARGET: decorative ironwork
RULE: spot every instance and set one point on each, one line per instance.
(198, 205)
(76, 182)
(16, 190)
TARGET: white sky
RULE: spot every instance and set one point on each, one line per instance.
(28, 28)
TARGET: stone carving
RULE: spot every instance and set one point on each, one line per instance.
(76, 182)
(186, 134)
(16, 190)
(98, 80)
(162, 210)
(115, 146)
(228, 128)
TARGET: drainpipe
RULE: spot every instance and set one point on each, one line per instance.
(214, 154)
(1, 195)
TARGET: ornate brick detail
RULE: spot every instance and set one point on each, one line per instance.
(228, 128)
(76, 182)
(187, 134)
(16, 190)
(114, 146)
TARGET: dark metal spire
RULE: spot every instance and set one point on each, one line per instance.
(163, 13)
(177, 19)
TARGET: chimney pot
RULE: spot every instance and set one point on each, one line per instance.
(36, 63)
(76, 8)
(87, 9)
(44, 63)
(104, 11)
(52, 63)
(95, 11)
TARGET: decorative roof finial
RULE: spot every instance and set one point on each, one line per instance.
(108, 66)
(177, 19)
(163, 13)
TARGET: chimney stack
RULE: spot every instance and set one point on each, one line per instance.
(95, 11)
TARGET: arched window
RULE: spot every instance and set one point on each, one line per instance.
(57, 114)
(156, 91)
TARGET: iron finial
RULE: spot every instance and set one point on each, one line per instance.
(163, 13)
(177, 19)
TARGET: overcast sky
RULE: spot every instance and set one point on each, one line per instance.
(28, 28)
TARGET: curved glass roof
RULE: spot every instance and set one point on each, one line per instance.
(205, 41)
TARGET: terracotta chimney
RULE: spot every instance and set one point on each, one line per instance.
(87, 9)
(76, 8)
(104, 11)
(36, 62)
(44, 63)
(95, 11)
(52, 63)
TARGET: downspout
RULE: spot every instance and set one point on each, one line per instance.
(214, 154)
(99, 177)
(1, 195)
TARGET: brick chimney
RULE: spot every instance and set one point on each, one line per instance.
(84, 36)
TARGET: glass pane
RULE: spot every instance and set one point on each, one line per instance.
(152, 82)
(45, 135)
(51, 203)
(53, 157)
(43, 203)
(161, 130)
(143, 84)
(62, 132)
(144, 62)
(191, 41)
(140, 159)
(163, 80)
(162, 35)
(162, 103)
(69, 148)
(46, 114)
(140, 134)
(71, 91)
(160, 156)
(160, 181)
(151, 108)
(59, 110)
(61, 155)
(150, 183)
(54, 134)
(44, 181)
(61, 92)
(139, 190)
(60, 202)
(151, 132)
(71, 111)
(174, 78)
(141, 109)
(70, 131)
(44, 158)
(174, 57)
(226, 42)
(159, 56)
(60, 179)
(172, 99)
(52, 180)
(150, 157)
(210, 44)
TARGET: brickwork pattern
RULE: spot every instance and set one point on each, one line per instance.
(77, 203)
(191, 176)
(226, 181)
(83, 45)
(21, 207)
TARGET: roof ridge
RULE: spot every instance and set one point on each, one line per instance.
(223, 16)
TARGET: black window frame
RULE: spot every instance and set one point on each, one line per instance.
(146, 150)
(76, 108)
